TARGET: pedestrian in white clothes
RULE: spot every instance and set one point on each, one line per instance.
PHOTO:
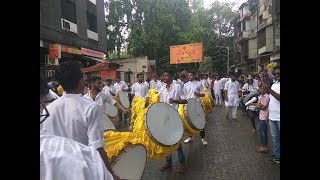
(222, 84)
(231, 91)
(74, 117)
(217, 91)
(109, 88)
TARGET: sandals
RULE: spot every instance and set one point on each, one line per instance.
(181, 169)
(165, 167)
(262, 150)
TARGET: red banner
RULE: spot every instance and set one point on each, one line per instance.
(92, 53)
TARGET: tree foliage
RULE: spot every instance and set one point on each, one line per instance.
(153, 26)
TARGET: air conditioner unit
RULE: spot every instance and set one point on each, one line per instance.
(69, 26)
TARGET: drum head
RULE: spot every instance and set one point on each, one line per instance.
(163, 124)
(124, 100)
(250, 95)
(107, 123)
(110, 110)
(196, 117)
(130, 162)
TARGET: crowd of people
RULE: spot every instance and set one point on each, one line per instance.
(71, 109)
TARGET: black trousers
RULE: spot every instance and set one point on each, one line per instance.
(252, 115)
(202, 133)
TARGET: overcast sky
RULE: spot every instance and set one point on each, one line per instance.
(208, 2)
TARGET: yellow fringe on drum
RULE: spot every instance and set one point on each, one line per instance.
(206, 102)
(138, 104)
(116, 141)
(187, 129)
(153, 96)
(154, 151)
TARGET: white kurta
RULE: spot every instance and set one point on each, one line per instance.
(77, 118)
(159, 85)
(190, 88)
(120, 86)
(109, 89)
(153, 84)
(175, 92)
(140, 89)
(65, 159)
(101, 98)
(217, 86)
(232, 93)
(204, 83)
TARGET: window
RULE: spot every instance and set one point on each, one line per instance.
(243, 25)
(68, 11)
(92, 22)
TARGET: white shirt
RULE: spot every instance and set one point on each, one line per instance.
(77, 118)
(217, 86)
(159, 85)
(256, 82)
(120, 86)
(101, 98)
(175, 92)
(140, 89)
(209, 81)
(109, 89)
(180, 82)
(204, 83)
(190, 88)
(65, 159)
(274, 104)
(223, 82)
(232, 92)
(251, 88)
(52, 94)
(152, 84)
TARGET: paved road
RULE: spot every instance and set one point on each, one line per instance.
(230, 154)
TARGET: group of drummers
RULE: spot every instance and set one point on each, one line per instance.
(79, 140)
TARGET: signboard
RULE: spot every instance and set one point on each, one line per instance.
(89, 52)
(70, 50)
(187, 53)
(54, 51)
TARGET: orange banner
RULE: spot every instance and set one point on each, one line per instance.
(187, 53)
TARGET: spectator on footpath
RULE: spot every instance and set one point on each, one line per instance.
(274, 117)
(262, 105)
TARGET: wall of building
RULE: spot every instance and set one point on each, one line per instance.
(51, 30)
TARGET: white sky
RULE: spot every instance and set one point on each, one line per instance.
(208, 2)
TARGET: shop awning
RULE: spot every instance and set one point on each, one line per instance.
(98, 67)
(94, 59)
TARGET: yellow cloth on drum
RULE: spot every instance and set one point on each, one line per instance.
(116, 141)
(137, 105)
(206, 102)
(154, 151)
(153, 96)
(187, 128)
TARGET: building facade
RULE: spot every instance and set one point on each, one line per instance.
(257, 35)
(71, 30)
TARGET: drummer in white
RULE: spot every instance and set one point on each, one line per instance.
(121, 86)
(74, 117)
(173, 95)
(140, 88)
(96, 94)
(193, 89)
(58, 154)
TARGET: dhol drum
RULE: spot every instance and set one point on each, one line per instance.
(206, 102)
(123, 98)
(250, 95)
(193, 117)
(110, 110)
(160, 129)
(126, 155)
(107, 123)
